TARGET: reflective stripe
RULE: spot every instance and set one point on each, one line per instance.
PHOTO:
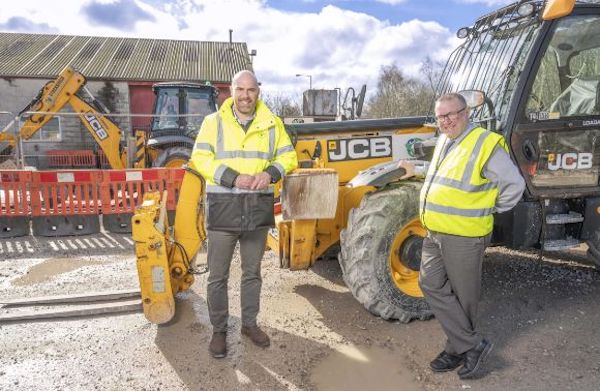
(461, 185)
(221, 153)
(449, 210)
(271, 142)
(235, 190)
(282, 150)
(279, 168)
(203, 147)
(219, 173)
(467, 174)
(243, 155)
(465, 183)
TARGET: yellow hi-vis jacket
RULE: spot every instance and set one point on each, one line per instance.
(455, 198)
(223, 151)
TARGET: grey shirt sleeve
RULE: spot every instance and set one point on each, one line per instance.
(501, 170)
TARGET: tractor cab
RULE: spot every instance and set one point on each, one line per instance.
(180, 108)
(179, 111)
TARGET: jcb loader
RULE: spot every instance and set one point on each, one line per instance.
(530, 71)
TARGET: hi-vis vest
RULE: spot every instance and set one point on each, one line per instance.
(455, 198)
(223, 144)
(223, 150)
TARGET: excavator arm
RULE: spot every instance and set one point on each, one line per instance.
(164, 257)
(52, 98)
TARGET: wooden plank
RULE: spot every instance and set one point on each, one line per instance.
(309, 194)
(72, 298)
(98, 309)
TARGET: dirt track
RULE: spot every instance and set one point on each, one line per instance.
(543, 316)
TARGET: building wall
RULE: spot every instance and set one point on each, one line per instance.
(16, 94)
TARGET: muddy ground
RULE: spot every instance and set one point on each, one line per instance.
(543, 313)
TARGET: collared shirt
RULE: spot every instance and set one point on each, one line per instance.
(244, 124)
(451, 143)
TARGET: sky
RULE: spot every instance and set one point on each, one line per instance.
(339, 43)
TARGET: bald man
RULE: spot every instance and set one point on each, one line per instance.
(241, 151)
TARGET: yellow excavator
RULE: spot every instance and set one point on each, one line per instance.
(168, 143)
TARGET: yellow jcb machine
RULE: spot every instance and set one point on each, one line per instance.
(179, 110)
(529, 70)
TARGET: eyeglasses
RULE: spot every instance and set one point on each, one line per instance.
(450, 116)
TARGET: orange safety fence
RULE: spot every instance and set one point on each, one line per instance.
(65, 203)
(104, 163)
(65, 192)
(14, 193)
(75, 202)
(121, 191)
(65, 158)
(14, 203)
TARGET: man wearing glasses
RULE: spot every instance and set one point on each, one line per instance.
(470, 177)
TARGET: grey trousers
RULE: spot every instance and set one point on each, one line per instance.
(220, 251)
(450, 279)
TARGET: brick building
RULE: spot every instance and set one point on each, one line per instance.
(120, 73)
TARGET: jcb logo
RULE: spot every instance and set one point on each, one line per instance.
(96, 125)
(359, 148)
(569, 161)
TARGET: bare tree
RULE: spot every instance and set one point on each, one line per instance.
(432, 72)
(398, 95)
(283, 105)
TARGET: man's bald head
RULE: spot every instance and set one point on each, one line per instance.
(245, 91)
(245, 75)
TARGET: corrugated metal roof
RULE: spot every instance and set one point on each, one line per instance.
(132, 59)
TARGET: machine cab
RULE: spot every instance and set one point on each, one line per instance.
(556, 140)
(180, 108)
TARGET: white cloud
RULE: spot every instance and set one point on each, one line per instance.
(339, 48)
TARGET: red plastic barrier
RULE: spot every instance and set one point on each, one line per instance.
(173, 186)
(65, 203)
(65, 193)
(104, 163)
(14, 203)
(121, 191)
(81, 158)
(14, 192)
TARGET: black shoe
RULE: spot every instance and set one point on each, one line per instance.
(445, 362)
(218, 345)
(474, 358)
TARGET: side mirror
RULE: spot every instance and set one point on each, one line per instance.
(474, 98)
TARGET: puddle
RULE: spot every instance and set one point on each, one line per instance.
(48, 269)
(361, 369)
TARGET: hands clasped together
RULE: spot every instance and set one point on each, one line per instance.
(259, 181)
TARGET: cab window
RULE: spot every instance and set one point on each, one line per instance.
(568, 80)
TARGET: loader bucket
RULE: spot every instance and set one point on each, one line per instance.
(310, 194)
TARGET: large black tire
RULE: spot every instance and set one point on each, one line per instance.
(375, 232)
(173, 157)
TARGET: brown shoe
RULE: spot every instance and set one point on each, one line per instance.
(218, 346)
(256, 335)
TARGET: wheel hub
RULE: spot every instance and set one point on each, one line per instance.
(410, 252)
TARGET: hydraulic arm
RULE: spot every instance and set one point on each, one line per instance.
(52, 98)
(164, 258)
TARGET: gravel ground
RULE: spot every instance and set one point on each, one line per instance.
(542, 313)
